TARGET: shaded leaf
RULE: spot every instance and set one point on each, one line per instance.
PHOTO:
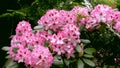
(15, 49)
(19, 12)
(80, 64)
(82, 27)
(6, 15)
(30, 47)
(89, 62)
(67, 62)
(16, 42)
(89, 50)
(88, 55)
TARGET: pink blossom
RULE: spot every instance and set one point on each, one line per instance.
(55, 19)
(65, 40)
(39, 58)
(100, 13)
(117, 27)
(23, 26)
(83, 11)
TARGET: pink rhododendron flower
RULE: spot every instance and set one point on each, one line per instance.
(25, 45)
(83, 11)
(100, 13)
(65, 40)
(61, 34)
(55, 19)
(39, 58)
(22, 27)
(117, 27)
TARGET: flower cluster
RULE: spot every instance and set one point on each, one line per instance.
(65, 29)
(28, 47)
(65, 40)
(55, 19)
(102, 14)
(61, 33)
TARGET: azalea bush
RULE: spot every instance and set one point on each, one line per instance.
(67, 39)
(79, 37)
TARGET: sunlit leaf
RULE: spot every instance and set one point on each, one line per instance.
(78, 48)
(39, 27)
(5, 48)
(10, 64)
(58, 60)
(50, 31)
(85, 41)
(7, 57)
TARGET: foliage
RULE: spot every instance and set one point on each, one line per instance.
(101, 47)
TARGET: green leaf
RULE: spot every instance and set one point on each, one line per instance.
(7, 57)
(5, 48)
(105, 66)
(78, 48)
(46, 43)
(89, 62)
(11, 36)
(30, 47)
(58, 60)
(39, 27)
(50, 31)
(10, 64)
(6, 15)
(88, 55)
(67, 62)
(82, 28)
(85, 41)
(16, 42)
(15, 49)
(80, 64)
(89, 50)
(20, 13)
